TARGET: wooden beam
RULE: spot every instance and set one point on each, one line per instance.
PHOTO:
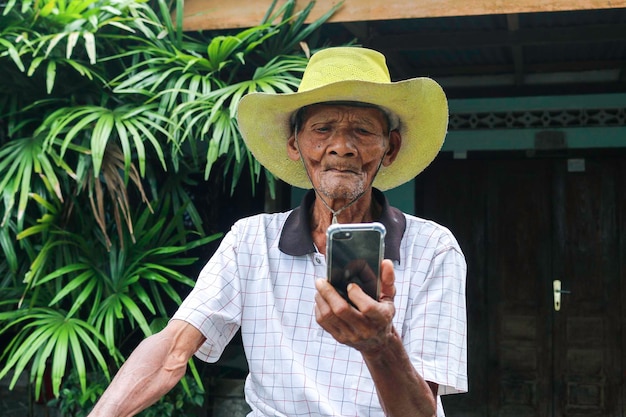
(517, 52)
(231, 14)
(359, 30)
(538, 68)
(482, 39)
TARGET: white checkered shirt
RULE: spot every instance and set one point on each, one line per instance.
(296, 368)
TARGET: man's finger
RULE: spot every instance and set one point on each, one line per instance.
(387, 280)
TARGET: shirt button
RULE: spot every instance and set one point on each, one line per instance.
(318, 260)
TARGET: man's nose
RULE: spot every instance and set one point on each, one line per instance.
(342, 143)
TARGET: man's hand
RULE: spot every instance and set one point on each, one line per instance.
(367, 329)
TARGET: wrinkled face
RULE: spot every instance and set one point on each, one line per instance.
(342, 147)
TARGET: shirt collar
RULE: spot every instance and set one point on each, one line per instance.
(296, 240)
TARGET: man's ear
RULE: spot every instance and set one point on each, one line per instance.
(395, 142)
(292, 148)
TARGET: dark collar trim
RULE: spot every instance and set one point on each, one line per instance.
(296, 239)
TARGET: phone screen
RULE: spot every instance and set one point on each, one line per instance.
(354, 253)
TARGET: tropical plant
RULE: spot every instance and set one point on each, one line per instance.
(95, 293)
(109, 115)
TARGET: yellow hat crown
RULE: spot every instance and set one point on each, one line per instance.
(341, 64)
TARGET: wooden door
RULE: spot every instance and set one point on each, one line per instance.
(523, 223)
(587, 331)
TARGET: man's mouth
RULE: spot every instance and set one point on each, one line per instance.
(342, 170)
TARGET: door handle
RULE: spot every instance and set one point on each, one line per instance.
(557, 291)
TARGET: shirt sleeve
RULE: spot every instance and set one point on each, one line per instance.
(214, 304)
(436, 338)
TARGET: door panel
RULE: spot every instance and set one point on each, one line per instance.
(586, 259)
(523, 223)
(519, 224)
(457, 195)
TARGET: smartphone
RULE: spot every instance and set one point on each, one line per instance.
(354, 253)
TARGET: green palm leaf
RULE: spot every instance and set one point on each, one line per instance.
(97, 125)
(54, 337)
(19, 160)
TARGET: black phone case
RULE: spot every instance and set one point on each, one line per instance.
(354, 253)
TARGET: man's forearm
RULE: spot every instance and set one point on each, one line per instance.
(154, 368)
(401, 390)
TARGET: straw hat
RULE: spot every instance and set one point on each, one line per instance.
(348, 74)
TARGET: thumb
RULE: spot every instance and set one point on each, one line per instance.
(387, 280)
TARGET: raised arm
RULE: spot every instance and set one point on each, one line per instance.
(154, 368)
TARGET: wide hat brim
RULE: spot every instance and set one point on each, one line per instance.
(420, 104)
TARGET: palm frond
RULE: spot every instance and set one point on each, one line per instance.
(47, 334)
(19, 160)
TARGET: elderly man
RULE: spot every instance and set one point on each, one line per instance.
(348, 133)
